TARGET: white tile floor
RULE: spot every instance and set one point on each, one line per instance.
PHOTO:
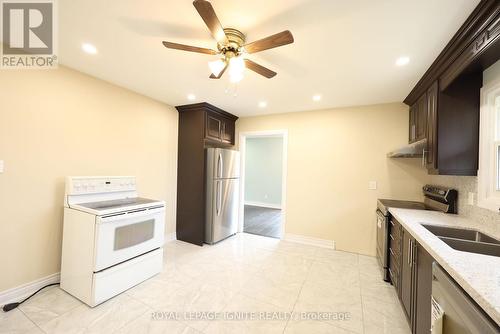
(246, 273)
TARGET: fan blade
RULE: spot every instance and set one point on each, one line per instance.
(212, 76)
(208, 15)
(259, 69)
(189, 48)
(273, 41)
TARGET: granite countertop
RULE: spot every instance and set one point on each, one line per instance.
(477, 274)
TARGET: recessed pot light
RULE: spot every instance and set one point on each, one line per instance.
(262, 104)
(316, 98)
(191, 97)
(89, 48)
(402, 61)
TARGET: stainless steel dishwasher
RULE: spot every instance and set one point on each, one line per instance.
(461, 315)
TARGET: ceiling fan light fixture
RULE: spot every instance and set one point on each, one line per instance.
(235, 78)
(236, 68)
(217, 66)
(231, 44)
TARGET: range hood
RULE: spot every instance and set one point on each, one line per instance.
(414, 150)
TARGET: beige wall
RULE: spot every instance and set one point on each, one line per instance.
(332, 155)
(55, 123)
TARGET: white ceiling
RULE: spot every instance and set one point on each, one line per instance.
(344, 50)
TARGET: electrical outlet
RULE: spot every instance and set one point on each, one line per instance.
(372, 185)
(470, 199)
(1, 166)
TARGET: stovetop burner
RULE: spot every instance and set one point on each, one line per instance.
(436, 198)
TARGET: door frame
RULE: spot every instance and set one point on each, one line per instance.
(242, 146)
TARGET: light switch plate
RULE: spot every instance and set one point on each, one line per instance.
(372, 185)
(1, 166)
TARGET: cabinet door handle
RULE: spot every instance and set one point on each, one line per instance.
(409, 250)
(424, 157)
(414, 255)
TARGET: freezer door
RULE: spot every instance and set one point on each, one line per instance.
(222, 163)
(224, 210)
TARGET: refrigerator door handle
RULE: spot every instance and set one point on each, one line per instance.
(219, 166)
(218, 203)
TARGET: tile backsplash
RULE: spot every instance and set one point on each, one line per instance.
(464, 185)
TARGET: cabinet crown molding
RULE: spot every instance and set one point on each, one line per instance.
(484, 20)
(206, 107)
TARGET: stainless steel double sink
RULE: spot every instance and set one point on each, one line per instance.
(471, 241)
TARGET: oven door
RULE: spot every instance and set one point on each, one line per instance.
(121, 237)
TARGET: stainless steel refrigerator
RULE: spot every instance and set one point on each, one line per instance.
(222, 193)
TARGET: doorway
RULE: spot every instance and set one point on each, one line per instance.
(262, 204)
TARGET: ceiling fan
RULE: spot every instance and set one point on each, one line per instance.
(231, 45)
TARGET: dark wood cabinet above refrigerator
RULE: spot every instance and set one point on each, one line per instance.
(201, 125)
(444, 105)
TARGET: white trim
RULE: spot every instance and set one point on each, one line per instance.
(263, 205)
(302, 239)
(488, 197)
(20, 292)
(170, 237)
(242, 147)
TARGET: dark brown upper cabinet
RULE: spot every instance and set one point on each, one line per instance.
(228, 131)
(430, 155)
(418, 120)
(213, 126)
(201, 125)
(219, 128)
(444, 105)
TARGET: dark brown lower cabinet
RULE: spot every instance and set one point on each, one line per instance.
(395, 232)
(423, 290)
(414, 285)
(407, 275)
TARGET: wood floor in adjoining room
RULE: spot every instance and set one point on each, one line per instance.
(244, 274)
(262, 221)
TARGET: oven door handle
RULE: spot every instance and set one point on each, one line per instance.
(131, 215)
(380, 219)
(380, 215)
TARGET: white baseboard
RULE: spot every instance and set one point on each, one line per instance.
(302, 239)
(170, 237)
(263, 205)
(18, 293)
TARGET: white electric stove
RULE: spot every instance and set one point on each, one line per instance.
(112, 239)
